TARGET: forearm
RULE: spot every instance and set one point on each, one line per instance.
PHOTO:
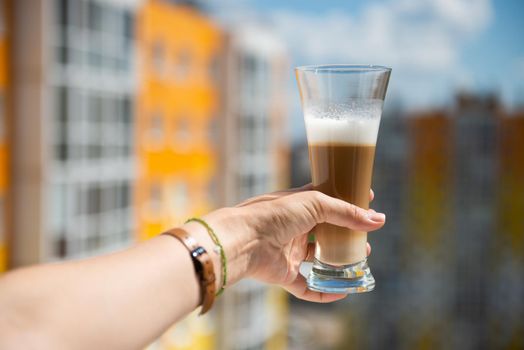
(119, 301)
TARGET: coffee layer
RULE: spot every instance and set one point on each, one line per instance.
(342, 171)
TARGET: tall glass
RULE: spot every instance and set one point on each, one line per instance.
(342, 105)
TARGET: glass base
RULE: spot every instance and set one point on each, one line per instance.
(345, 279)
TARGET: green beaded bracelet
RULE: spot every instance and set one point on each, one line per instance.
(223, 259)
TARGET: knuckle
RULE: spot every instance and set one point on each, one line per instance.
(317, 202)
(317, 195)
(355, 212)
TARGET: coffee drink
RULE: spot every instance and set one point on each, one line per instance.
(341, 152)
(342, 105)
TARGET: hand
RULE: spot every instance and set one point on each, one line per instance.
(267, 235)
(264, 238)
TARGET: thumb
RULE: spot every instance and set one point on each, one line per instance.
(325, 209)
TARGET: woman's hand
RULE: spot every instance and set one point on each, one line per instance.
(266, 237)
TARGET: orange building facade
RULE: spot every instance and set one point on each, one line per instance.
(511, 182)
(428, 206)
(177, 104)
(430, 171)
(506, 326)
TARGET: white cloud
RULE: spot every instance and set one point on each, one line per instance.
(420, 39)
(468, 16)
(461, 16)
(422, 34)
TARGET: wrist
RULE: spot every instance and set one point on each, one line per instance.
(236, 238)
(199, 233)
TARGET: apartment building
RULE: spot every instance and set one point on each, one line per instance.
(73, 86)
(177, 139)
(256, 145)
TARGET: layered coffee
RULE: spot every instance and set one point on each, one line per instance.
(342, 151)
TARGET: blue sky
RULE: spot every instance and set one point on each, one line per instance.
(492, 54)
(435, 47)
(501, 40)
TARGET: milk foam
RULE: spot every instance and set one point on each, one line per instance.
(355, 122)
(349, 128)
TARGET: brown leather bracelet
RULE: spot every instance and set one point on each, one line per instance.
(203, 267)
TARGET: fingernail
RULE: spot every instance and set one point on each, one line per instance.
(376, 217)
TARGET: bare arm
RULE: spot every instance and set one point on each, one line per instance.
(127, 299)
(119, 301)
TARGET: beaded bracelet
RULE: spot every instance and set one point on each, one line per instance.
(223, 259)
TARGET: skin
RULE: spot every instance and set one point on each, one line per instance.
(127, 299)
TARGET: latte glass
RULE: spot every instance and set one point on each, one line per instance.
(342, 105)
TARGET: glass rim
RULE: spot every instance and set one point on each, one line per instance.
(343, 68)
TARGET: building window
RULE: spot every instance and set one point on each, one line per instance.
(61, 246)
(158, 57)
(182, 68)
(59, 206)
(129, 25)
(214, 132)
(155, 199)
(215, 70)
(250, 65)
(248, 131)
(62, 121)
(124, 195)
(94, 16)
(94, 200)
(179, 198)
(182, 136)
(264, 134)
(111, 137)
(127, 124)
(62, 22)
(75, 106)
(62, 9)
(110, 198)
(155, 132)
(129, 36)
(77, 14)
(60, 219)
(95, 126)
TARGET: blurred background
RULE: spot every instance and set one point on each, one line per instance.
(121, 118)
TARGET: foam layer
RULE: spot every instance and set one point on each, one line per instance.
(349, 128)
